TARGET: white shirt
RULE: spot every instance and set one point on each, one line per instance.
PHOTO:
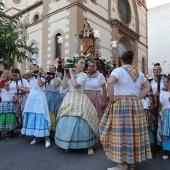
(164, 99)
(34, 83)
(125, 85)
(6, 96)
(146, 103)
(94, 84)
(22, 84)
(51, 86)
(154, 85)
(63, 90)
(81, 79)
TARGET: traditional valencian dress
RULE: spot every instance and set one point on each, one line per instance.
(7, 111)
(165, 120)
(123, 128)
(53, 99)
(23, 83)
(77, 125)
(36, 114)
(93, 91)
(150, 119)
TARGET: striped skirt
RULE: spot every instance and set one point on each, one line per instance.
(19, 106)
(123, 131)
(97, 100)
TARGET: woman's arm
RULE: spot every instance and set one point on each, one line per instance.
(74, 82)
(146, 89)
(104, 94)
(56, 81)
(64, 84)
(40, 82)
(110, 87)
(23, 89)
(32, 71)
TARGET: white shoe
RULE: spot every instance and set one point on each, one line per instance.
(119, 167)
(33, 142)
(90, 151)
(165, 157)
(47, 144)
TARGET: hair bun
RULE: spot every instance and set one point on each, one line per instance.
(130, 53)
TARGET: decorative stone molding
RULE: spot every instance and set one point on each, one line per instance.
(123, 28)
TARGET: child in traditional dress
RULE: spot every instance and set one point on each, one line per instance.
(165, 125)
(36, 114)
(149, 118)
(7, 109)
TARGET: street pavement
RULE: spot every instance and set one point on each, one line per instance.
(18, 154)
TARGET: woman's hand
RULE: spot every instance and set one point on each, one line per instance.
(104, 105)
(39, 72)
(17, 87)
(71, 71)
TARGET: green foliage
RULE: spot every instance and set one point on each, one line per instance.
(12, 46)
(104, 62)
(71, 60)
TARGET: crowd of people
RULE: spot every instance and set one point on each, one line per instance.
(80, 109)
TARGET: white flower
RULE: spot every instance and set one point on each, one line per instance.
(75, 55)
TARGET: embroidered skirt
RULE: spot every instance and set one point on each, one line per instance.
(35, 125)
(7, 116)
(123, 131)
(97, 99)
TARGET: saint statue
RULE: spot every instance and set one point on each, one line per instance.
(88, 38)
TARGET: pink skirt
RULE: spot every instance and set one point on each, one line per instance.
(97, 100)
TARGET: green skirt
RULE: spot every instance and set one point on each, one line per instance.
(7, 121)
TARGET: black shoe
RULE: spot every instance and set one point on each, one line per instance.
(9, 134)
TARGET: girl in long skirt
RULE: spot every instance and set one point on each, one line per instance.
(20, 86)
(7, 110)
(165, 123)
(95, 89)
(123, 127)
(36, 114)
(77, 120)
(54, 100)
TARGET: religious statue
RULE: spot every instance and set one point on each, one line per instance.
(88, 38)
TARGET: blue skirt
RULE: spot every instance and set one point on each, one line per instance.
(54, 100)
(74, 133)
(166, 143)
(35, 125)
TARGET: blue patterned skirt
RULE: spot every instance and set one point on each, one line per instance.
(165, 129)
(54, 100)
(74, 132)
(35, 125)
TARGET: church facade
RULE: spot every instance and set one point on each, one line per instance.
(124, 21)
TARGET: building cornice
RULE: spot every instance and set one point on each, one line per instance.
(141, 4)
(123, 28)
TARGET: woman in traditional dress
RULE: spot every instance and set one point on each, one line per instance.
(95, 89)
(54, 101)
(77, 125)
(20, 87)
(165, 123)
(123, 128)
(7, 110)
(36, 114)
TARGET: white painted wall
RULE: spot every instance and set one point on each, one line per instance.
(158, 37)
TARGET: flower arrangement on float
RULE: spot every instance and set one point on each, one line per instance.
(104, 62)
